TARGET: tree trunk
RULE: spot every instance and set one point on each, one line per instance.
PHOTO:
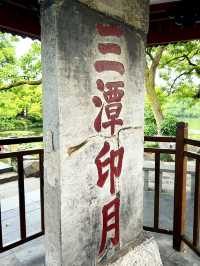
(150, 88)
(154, 102)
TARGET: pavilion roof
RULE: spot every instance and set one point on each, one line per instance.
(170, 20)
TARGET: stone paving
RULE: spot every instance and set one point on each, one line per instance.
(10, 209)
(172, 258)
(32, 254)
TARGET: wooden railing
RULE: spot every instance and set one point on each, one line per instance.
(18, 155)
(157, 152)
(181, 154)
(195, 243)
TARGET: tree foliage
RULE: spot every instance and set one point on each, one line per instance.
(173, 71)
(172, 85)
(20, 89)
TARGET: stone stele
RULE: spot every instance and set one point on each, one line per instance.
(88, 46)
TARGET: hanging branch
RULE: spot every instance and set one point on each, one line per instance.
(149, 54)
(20, 83)
(183, 57)
(179, 76)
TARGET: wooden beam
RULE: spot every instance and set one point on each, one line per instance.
(166, 31)
(19, 21)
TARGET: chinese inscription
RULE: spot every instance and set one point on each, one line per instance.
(108, 161)
(107, 226)
(114, 168)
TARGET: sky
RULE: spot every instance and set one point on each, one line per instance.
(22, 46)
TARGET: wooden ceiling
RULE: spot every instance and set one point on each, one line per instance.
(174, 21)
(169, 22)
(20, 17)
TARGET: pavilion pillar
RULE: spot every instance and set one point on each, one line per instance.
(93, 56)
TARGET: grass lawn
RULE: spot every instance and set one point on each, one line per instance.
(193, 126)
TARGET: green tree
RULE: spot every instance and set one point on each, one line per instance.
(20, 85)
(178, 67)
(8, 59)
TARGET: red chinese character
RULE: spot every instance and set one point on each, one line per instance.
(113, 165)
(108, 226)
(98, 103)
(112, 48)
(113, 93)
(112, 96)
(106, 65)
(109, 30)
(112, 112)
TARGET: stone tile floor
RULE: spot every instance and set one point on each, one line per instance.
(170, 257)
(32, 254)
(10, 209)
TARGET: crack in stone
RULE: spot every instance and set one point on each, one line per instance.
(75, 148)
(124, 129)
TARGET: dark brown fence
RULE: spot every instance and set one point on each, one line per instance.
(181, 153)
(157, 152)
(18, 155)
(194, 244)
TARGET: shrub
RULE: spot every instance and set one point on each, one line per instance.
(7, 123)
(149, 122)
(168, 126)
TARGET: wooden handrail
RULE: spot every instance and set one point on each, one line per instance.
(5, 155)
(160, 138)
(192, 142)
(10, 141)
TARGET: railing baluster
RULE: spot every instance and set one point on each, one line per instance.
(196, 225)
(41, 160)
(21, 196)
(21, 191)
(180, 186)
(157, 191)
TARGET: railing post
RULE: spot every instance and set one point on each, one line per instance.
(22, 207)
(180, 186)
(157, 191)
(196, 223)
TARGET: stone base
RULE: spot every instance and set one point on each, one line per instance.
(144, 254)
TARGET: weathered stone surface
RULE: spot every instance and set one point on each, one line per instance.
(144, 254)
(134, 13)
(73, 201)
(10, 261)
